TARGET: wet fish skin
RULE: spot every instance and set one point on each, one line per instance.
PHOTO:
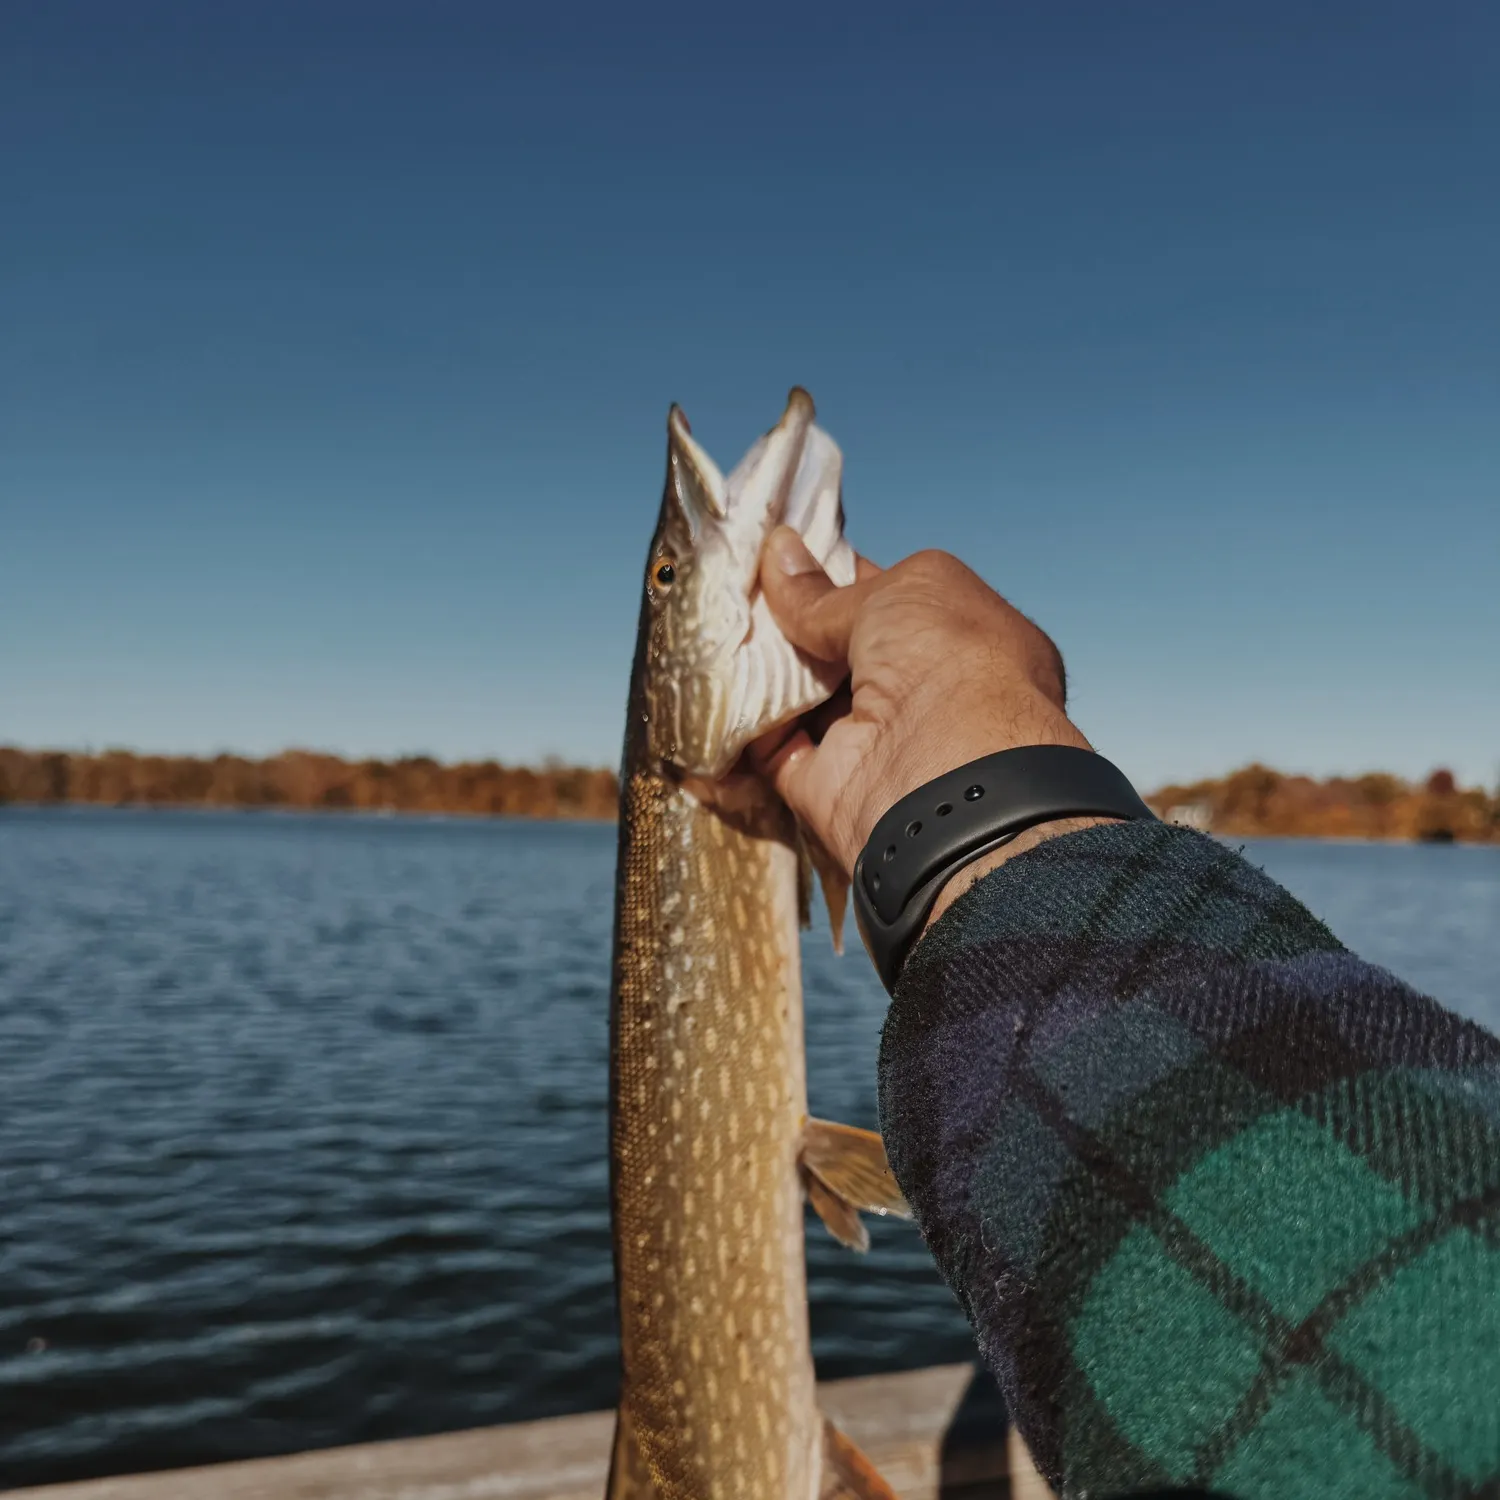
(708, 1116)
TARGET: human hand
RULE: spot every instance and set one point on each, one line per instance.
(941, 671)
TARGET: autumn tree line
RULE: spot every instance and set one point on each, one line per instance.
(305, 779)
(1259, 801)
(1252, 801)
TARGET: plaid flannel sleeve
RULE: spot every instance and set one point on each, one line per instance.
(1221, 1201)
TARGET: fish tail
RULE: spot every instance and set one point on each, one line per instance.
(847, 1474)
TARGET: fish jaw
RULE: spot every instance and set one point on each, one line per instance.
(720, 672)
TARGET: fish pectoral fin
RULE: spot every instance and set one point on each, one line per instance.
(816, 858)
(835, 897)
(629, 1478)
(847, 1473)
(846, 1174)
(841, 1219)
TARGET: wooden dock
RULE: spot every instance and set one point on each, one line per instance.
(936, 1434)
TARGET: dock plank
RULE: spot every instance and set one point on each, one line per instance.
(936, 1434)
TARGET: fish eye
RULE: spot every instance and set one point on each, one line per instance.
(664, 574)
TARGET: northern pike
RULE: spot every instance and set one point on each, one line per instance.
(712, 1151)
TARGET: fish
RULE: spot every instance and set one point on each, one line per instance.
(713, 1154)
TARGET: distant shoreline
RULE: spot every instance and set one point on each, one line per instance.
(1253, 802)
(303, 780)
(1257, 802)
(280, 810)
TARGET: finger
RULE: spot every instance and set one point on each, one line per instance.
(789, 769)
(812, 726)
(820, 720)
(760, 753)
(864, 568)
(816, 615)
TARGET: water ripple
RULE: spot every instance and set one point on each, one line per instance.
(304, 1127)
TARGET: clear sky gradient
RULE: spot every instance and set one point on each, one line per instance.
(337, 341)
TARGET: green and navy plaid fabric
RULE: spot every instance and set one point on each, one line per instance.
(1221, 1201)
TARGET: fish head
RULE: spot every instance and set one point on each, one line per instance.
(715, 670)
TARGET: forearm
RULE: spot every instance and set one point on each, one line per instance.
(1200, 1177)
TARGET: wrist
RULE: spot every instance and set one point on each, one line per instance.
(935, 842)
(975, 871)
(940, 749)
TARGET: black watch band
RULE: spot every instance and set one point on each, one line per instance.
(929, 835)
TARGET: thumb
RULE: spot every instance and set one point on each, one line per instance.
(814, 612)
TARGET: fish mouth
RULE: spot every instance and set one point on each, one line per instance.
(750, 679)
(757, 492)
(695, 477)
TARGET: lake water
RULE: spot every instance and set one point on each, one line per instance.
(303, 1128)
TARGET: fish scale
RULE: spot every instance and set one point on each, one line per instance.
(708, 1204)
(712, 1151)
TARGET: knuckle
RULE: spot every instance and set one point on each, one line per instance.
(1047, 670)
(936, 567)
(1058, 679)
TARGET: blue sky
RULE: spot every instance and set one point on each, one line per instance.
(337, 340)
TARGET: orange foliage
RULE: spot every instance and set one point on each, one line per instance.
(303, 778)
(1256, 800)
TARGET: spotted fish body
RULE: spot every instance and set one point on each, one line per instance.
(711, 1147)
